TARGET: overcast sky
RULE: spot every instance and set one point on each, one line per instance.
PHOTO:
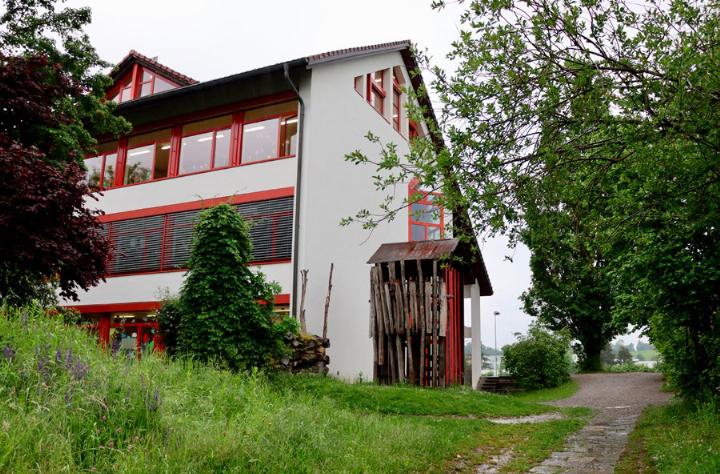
(210, 39)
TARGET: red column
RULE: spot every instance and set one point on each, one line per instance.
(104, 330)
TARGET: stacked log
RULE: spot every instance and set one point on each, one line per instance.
(308, 354)
(408, 321)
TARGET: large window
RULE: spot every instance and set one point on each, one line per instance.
(148, 157)
(244, 137)
(426, 217)
(205, 145)
(163, 242)
(101, 168)
(270, 132)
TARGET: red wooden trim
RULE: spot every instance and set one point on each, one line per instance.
(138, 306)
(121, 159)
(134, 88)
(184, 269)
(175, 140)
(236, 138)
(201, 204)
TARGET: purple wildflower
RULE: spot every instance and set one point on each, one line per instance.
(58, 356)
(8, 353)
(69, 358)
(79, 370)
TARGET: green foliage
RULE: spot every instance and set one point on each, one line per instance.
(169, 318)
(37, 29)
(538, 360)
(601, 155)
(623, 355)
(630, 366)
(110, 414)
(222, 319)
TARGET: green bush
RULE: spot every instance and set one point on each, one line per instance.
(538, 360)
(169, 316)
(221, 317)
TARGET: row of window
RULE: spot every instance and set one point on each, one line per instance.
(265, 133)
(163, 242)
(372, 87)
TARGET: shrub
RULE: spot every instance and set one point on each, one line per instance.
(226, 309)
(169, 317)
(538, 360)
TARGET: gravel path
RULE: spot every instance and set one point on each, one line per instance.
(618, 400)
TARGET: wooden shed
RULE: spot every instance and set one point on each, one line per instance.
(417, 310)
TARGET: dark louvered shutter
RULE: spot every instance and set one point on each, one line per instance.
(164, 242)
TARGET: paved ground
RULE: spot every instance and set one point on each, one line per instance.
(618, 400)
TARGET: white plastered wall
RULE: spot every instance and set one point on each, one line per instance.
(229, 182)
(336, 121)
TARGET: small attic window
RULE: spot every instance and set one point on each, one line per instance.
(151, 83)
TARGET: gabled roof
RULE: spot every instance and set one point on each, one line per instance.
(360, 51)
(133, 57)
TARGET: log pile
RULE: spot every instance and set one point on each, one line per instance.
(309, 354)
(408, 323)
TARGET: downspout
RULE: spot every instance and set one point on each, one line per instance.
(298, 185)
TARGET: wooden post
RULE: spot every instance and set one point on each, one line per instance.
(327, 302)
(408, 321)
(436, 359)
(304, 278)
(421, 320)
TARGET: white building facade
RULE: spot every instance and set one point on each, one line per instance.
(271, 141)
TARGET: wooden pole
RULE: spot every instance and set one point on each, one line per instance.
(408, 321)
(421, 320)
(436, 359)
(304, 278)
(327, 302)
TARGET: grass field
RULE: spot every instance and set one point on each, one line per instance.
(674, 438)
(65, 406)
(565, 390)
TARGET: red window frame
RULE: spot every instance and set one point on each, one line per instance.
(397, 94)
(101, 183)
(176, 136)
(214, 131)
(152, 170)
(282, 118)
(376, 90)
(417, 196)
(131, 86)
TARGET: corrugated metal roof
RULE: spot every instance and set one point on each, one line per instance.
(469, 258)
(420, 250)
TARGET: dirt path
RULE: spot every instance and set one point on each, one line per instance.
(617, 400)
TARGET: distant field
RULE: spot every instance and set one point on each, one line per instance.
(648, 354)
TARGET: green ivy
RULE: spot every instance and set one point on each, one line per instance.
(226, 308)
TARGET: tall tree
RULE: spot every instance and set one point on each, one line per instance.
(628, 91)
(53, 105)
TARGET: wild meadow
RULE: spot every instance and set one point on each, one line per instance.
(68, 406)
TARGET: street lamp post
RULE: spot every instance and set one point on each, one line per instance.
(497, 372)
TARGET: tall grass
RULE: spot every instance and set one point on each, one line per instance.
(66, 406)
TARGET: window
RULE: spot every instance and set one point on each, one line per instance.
(151, 83)
(148, 157)
(148, 83)
(163, 242)
(397, 106)
(125, 92)
(426, 217)
(205, 145)
(101, 168)
(270, 132)
(376, 91)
